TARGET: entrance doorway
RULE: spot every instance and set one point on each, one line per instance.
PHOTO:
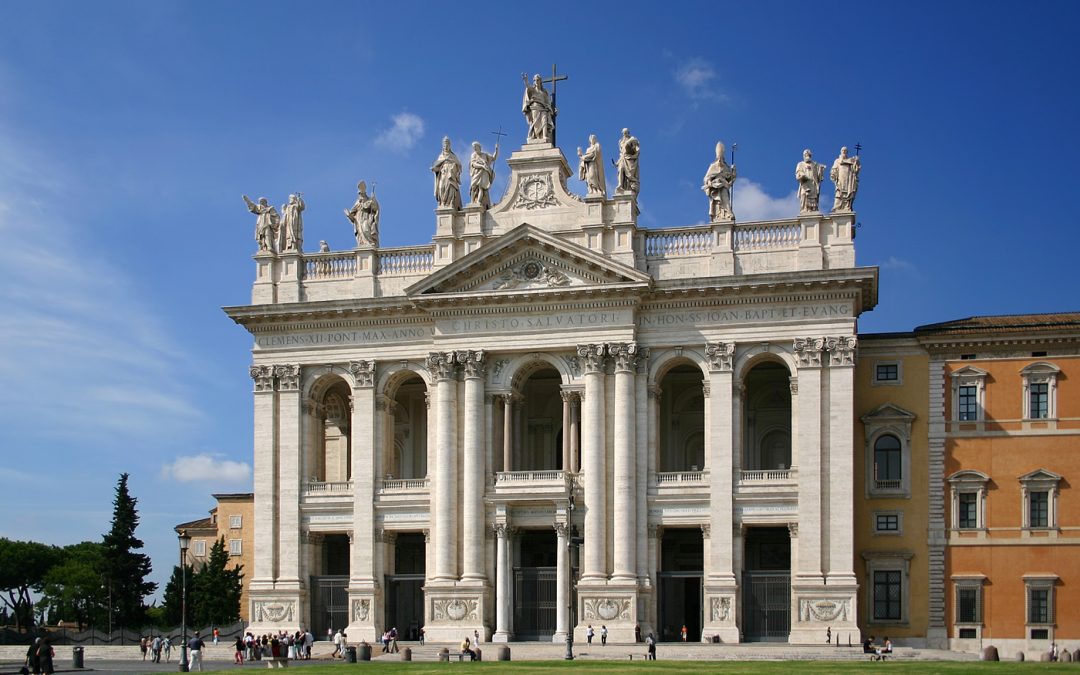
(405, 587)
(682, 561)
(329, 594)
(535, 586)
(766, 590)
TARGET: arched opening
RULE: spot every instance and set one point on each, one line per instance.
(539, 422)
(887, 469)
(408, 416)
(329, 456)
(767, 443)
(682, 420)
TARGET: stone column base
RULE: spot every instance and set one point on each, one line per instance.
(613, 605)
(814, 611)
(719, 613)
(365, 604)
(273, 610)
(453, 613)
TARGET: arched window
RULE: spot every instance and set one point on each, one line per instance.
(888, 470)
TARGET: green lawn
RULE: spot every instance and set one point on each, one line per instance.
(682, 666)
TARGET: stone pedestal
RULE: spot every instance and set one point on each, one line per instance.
(364, 279)
(365, 605)
(264, 290)
(291, 276)
(719, 611)
(455, 611)
(816, 610)
(274, 609)
(810, 253)
(613, 605)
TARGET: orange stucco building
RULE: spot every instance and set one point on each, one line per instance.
(232, 519)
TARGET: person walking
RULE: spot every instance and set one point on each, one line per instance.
(650, 643)
(155, 649)
(33, 663)
(337, 645)
(238, 657)
(195, 646)
(683, 632)
(217, 635)
(603, 635)
(589, 632)
(166, 645)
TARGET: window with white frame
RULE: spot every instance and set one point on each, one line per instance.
(888, 372)
(236, 522)
(888, 580)
(1040, 391)
(198, 548)
(968, 489)
(969, 394)
(888, 522)
(968, 605)
(1039, 592)
(888, 451)
(236, 547)
(1039, 491)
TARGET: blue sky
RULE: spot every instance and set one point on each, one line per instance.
(129, 130)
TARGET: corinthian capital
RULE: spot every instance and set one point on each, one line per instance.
(721, 356)
(841, 350)
(363, 373)
(625, 355)
(288, 376)
(442, 365)
(263, 377)
(591, 357)
(808, 351)
(473, 361)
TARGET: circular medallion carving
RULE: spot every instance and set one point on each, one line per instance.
(456, 610)
(607, 609)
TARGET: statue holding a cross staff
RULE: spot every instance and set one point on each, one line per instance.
(539, 109)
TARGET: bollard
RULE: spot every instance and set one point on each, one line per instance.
(502, 653)
(406, 654)
(350, 655)
(1044, 657)
(1020, 656)
(77, 657)
(990, 653)
(444, 654)
(1066, 656)
(479, 653)
(364, 652)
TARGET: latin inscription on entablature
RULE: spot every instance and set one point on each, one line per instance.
(555, 321)
(747, 314)
(333, 338)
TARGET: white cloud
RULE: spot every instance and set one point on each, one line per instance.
(403, 135)
(208, 469)
(696, 77)
(753, 203)
(894, 263)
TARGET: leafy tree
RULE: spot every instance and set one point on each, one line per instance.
(23, 565)
(125, 569)
(73, 589)
(171, 601)
(217, 589)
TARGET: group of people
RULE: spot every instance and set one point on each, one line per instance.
(590, 633)
(389, 641)
(877, 652)
(39, 657)
(154, 647)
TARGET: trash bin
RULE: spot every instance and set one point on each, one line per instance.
(716, 639)
(444, 654)
(406, 654)
(76, 657)
(350, 655)
(479, 654)
(365, 652)
(502, 653)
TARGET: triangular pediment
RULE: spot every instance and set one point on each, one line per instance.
(888, 413)
(528, 259)
(1040, 475)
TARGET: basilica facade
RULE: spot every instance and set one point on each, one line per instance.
(550, 418)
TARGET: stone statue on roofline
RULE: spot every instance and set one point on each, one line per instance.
(539, 111)
(481, 175)
(845, 177)
(447, 170)
(591, 168)
(627, 166)
(292, 224)
(364, 215)
(719, 180)
(267, 223)
(809, 175)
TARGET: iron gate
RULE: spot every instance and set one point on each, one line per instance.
(405, 604)
(766, 607)
(329, 604)
(535, 602)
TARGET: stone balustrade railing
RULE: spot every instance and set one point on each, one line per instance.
(407, 260)
(523, 477)
(766, 475)
(680, 477)
(887, 484)
(767, 236)
(322, 487)
(405, 484)
(679, 242)
(341, 265)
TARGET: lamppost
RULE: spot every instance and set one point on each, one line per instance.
(570, 545)
(185, 541)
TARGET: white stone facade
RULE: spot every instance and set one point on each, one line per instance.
(545, 348)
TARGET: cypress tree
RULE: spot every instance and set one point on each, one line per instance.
(126, 569)
(217, 589)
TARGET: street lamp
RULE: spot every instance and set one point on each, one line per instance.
(185, 542)
(569, 579)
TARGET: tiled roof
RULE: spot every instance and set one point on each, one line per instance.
(200, 524)
(1008, 323)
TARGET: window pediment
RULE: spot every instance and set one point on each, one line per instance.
(888, 414)
(1040, 476)
(969, 477)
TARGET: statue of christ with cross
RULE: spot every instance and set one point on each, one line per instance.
(539, 109)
